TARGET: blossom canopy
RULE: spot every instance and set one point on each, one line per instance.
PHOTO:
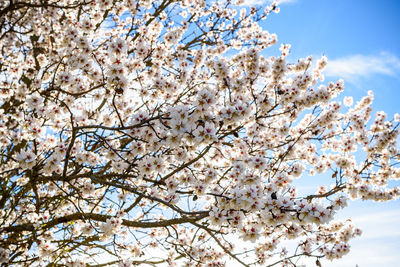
(160, 132)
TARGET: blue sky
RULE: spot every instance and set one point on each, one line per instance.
(361, 39)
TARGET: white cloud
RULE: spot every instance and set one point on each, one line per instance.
(379, 225)
(386, 216)
(352, 68)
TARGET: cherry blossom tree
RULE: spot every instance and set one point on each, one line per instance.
(160, 133)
